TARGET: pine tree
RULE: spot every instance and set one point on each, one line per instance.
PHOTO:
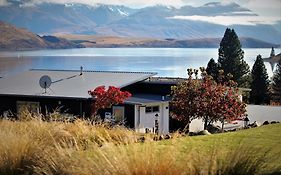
(212, 69)
(276, 85)
(260, 83)
(231, 57)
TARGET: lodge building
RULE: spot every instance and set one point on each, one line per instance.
(147, 110)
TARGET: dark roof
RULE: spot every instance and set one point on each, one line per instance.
(275, 58)
(146, 99)
(67, 83)
(164, 80)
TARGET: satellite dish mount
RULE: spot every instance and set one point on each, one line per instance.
(45, 82)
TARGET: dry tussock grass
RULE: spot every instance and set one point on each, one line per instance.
(34, 146)
(29, 143)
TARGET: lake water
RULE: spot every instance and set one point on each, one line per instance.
(171, 62)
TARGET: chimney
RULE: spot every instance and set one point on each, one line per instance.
(81, 70)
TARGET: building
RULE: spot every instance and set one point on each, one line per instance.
(44, 91)
(273, 59)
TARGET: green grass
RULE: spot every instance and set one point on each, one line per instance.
(262, 142)
(37, 147)
(268, 136)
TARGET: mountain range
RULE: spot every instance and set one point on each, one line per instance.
(159, 22)
(113, 41)
(13, 38)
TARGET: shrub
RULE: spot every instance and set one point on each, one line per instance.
(265, 123)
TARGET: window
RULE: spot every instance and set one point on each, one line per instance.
(155, 109)
(32, 107)
(150, 109)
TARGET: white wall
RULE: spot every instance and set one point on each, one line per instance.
(196, 125)
(262, 113)
(257, 113)
(145, 120)
(165, 119)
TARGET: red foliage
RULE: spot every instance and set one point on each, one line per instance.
(106, 98)
(221, 102)
(206, 99)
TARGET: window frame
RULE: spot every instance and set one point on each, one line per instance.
(31, 106)
(152, 109)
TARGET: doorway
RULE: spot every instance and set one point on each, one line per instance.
(118, 113)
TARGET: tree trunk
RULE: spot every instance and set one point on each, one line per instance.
(222, 126)
(186, 128)
(205, 124)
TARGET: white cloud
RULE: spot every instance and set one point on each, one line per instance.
(242, 13)
(261, 7)
(203, 2)
(265, 8)
(230, 20)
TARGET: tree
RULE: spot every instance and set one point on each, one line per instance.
(213, 69)
(260, 83)
(276, 85)
(206, 99)
(231, 57)
(220, 100)
(106, 98)
(185, 100)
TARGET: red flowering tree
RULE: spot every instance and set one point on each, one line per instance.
(185, 100)
(219, 102)
(207, 100)
(105, 98)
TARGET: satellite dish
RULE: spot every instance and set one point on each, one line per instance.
(45, 82)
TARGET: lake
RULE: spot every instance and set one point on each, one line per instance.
(171, 62)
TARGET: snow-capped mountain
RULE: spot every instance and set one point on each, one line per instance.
(187, 22)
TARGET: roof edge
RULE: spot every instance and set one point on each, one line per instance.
(150, 73)
(46, 96)
(138, 80)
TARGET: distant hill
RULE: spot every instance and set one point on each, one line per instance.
(110, 41)
(148, 22)
(13, 38)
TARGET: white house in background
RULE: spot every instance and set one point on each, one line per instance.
(151, 115)
(273, 59)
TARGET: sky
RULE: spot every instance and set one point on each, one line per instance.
(269, 11)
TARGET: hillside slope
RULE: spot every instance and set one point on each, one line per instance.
(13, 38)
(111, 42)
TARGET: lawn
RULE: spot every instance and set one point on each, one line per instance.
(37, 147)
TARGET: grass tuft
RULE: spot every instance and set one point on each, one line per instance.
(33, 146)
